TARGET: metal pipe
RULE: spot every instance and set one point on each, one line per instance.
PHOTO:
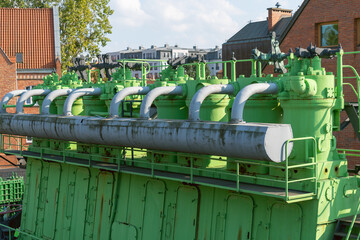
(8, 97)
(122, 94)
(237, 111)
(45, 107)
(25, 96)
(199, 97)
(153, 94)
(75, 95)
(244, 140)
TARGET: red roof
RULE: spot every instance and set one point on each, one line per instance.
(31, 32)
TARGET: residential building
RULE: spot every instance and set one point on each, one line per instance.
(316, 22)
(158, 56)
(214, 55)
(29, 47)
(255, 35)
(325, 23)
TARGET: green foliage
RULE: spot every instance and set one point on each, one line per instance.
(84, 24)
(191, 70)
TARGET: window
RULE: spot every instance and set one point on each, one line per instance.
(19, 58)
(30, 100)
(328, 34)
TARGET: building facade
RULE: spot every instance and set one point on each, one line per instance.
(30, 47)
(157, 57)
(327, 24)
(256, 35)
(323, 23)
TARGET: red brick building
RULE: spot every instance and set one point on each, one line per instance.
(325, 23)
(29, 47)
(255, 35)
(328, 23)
(29, 50)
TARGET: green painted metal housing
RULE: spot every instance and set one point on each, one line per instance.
(86, 191)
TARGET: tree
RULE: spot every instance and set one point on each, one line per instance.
(191, 70)
(84, 24)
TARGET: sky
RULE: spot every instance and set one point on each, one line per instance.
(204, 23)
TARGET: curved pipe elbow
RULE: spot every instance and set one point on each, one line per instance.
(199, 97)
(302, 86)
(153, 94)
(45, 107)
(122, 94)
(8, 97)
(77, 94)
(237, 111)
(25, 96)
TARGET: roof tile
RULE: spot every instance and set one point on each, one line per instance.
(29, 31)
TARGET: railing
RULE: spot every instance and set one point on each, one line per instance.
(13, 142)
(143, 162)
(15, 233)
(340, 79)
(256, 67)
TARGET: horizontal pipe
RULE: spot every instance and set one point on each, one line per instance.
(244, 140)
(45, 107)
(237, 112)
(122, 94)
(8, 97)
(153, 94)
(199, 97)
(75, 95)
(25, 96)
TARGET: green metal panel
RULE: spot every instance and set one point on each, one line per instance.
(79, 204)
(31, 196)
(186, 213)
(286, 221)
(104, 197)
(153, 210)
(52, 198)
(239, 215)
(123, 231)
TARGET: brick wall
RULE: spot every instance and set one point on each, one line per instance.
(275, 14)
(305, 31)
(7, 75)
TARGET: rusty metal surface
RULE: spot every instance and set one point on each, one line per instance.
(245, 140)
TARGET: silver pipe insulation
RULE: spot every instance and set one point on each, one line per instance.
(45, 107)
(75, 95)
(122, 94)
(237, 111)
(8, 97)
(244, 140)
(199, 97)
(153, 94)
(28, 94)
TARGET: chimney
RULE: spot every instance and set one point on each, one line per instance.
(275, 14)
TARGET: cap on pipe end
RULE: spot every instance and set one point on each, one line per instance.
(275, 142)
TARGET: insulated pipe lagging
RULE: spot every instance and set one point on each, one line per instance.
(199, 97)
(246, 140)
(237, 112)
(8, 97)
(153, 94)
(122, 94)
(25, 96)
(75, 95)
(45, 107)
